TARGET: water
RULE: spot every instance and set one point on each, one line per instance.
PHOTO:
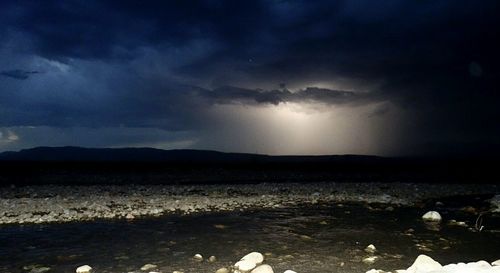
(313, 239)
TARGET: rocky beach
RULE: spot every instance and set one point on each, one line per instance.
(315, 228)
(58, 203)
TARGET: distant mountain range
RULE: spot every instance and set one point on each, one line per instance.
(70, 165)
(70, 153)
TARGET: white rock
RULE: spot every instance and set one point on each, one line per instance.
(84, 269)
(198, 257)
(424, 263)
(370, 249)
(370, 260)
(245, 265)
(432, 216)
(212, 259)
(482, 264)
(222, 270)
(148, 267)
(289, 271)
(263, 268)
(374, 271)
(496, 263)
(474, 267)
(254, 257)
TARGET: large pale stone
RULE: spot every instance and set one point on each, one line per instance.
(263, 268)
(245, 266)
(424, 263)
(148, 267)
(254, 257)
(222, 270)
(432, 216)
(198, 257)
(370, 249)
(84, 269)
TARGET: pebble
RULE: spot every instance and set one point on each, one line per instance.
(41, 269)
(305, 237)
(457, 223)
(84, 269)
(212, 259)
(370, 249)
(370, 260)
(222, 270)
(148, 267)
(129, 216)
(289, 271)
(198, 257)
(432, 216)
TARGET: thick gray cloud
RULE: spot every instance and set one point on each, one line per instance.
(166, 65)
(18, 74)
(230, 94)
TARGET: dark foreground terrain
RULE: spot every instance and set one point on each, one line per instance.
(319, 238)
(148, 210)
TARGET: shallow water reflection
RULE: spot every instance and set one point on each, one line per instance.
(313, 239)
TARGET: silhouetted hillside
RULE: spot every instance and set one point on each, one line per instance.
(152, 155)
(76, 165)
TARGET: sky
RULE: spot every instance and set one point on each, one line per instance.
(390, 78)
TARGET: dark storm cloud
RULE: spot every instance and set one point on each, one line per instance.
(231, 94)
(114, 29)
(161, 63)
(18, 74)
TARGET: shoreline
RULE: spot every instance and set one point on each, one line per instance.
(57, 203)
